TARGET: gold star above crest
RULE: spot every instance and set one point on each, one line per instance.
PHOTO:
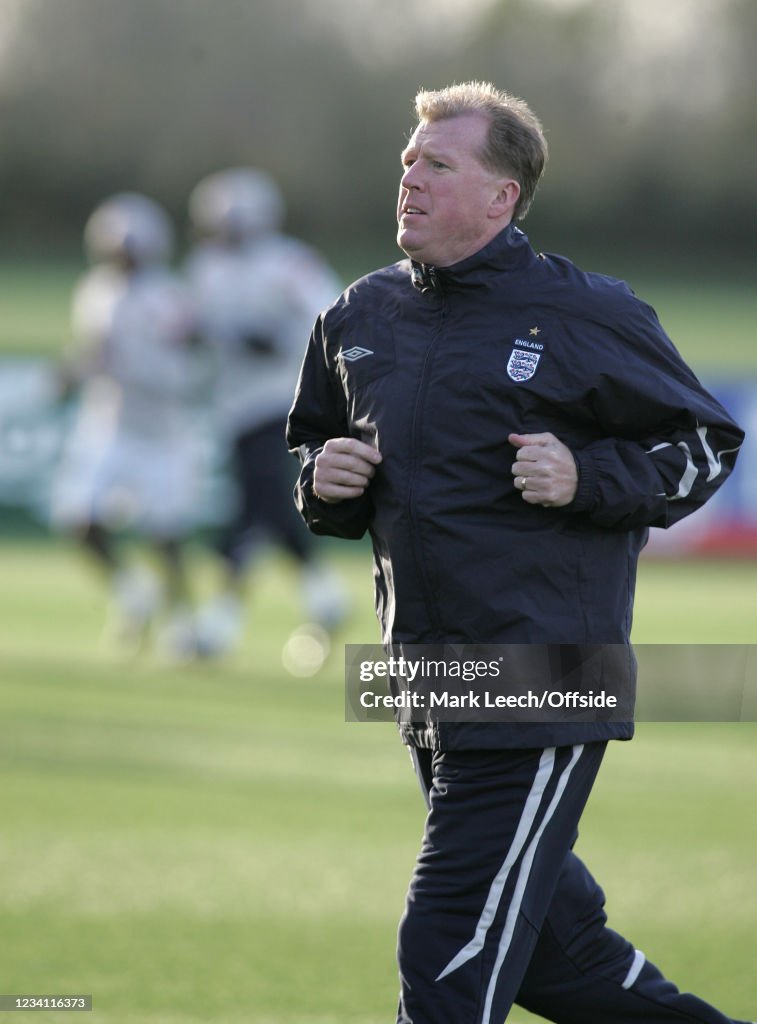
(535, 331)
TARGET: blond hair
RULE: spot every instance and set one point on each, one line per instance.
(515, 142)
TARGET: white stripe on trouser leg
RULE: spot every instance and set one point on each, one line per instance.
(638, 962)
(530, 809)
(520, 885)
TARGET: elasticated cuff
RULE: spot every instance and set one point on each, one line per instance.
(587, 482)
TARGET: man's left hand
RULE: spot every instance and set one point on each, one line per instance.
(544, 469)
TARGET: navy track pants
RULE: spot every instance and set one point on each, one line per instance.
(500, 910)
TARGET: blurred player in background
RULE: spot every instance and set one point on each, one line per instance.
(258, 293)
(129, 463)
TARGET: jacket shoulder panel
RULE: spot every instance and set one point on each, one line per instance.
(377, 292)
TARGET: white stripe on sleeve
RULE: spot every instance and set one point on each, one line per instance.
(689, 474)
(713, 458)
(638, 962)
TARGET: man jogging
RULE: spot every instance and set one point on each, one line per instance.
(506, 427)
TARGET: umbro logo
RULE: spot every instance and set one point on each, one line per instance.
(351, 355)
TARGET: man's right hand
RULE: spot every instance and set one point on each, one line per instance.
(344, 468)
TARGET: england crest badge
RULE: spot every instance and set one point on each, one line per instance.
(522, 365)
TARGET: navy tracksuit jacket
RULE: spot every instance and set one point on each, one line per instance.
(436, 367)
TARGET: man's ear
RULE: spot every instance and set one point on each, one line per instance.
(503, 204)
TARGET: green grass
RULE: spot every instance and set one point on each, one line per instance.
(214, 843)
(696, 602)
(35, 300)
(712, 324)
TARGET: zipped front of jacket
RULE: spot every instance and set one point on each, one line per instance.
(436, 294)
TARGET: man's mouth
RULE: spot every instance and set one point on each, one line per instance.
(412, 210)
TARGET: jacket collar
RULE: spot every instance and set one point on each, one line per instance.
(507, 251)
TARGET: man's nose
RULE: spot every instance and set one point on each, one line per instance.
(412, 177)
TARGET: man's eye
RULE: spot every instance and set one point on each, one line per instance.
(437, 164)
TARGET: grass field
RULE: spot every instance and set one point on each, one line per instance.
(214, 843)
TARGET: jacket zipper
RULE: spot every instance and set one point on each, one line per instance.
(415, 453)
